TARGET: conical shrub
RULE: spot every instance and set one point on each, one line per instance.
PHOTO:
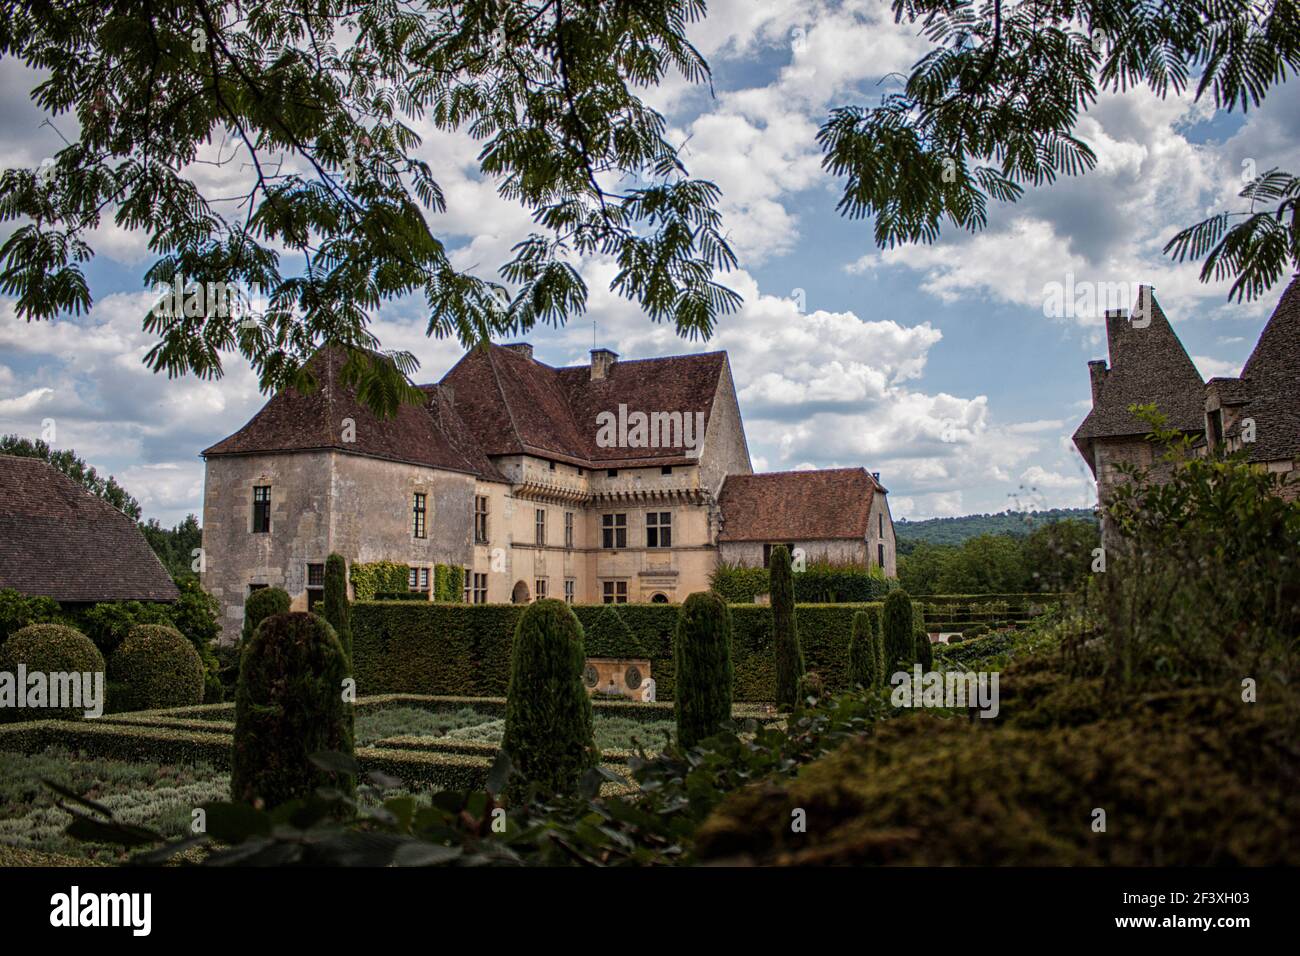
(864, 660)
(337, 609)
(924, 652)
(900, 640)
(288, 706)
(260, 605)
(702, 664)
(785, 630)
(548, 732)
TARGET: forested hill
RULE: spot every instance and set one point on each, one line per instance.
(957, 530)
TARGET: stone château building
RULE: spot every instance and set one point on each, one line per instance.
(1258, 412)
(616, 481)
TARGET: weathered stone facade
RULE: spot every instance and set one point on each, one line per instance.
(515, 489)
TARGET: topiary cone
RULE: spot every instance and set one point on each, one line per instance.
(548, 733)
(702, 664)
(288, 706)
(785, 630)
(896, 625)
(864, 664)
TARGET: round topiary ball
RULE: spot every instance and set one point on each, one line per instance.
(156, 667)
(289, 706)
(260, 605)
(49, 649)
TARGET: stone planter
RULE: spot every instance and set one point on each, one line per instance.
(618, 677)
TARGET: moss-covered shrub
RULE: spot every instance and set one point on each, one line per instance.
(864, 651)
(785, 630)
(548, 732)
(260, 605)
(378, 576)
(52, 649)
(898, 632)
(337, 609)
(156, 667)
(702, 654)
(289, 706)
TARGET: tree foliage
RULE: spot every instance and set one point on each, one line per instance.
(996, 102)
(328, 200)
(702, 665)
(785, 630)
(337, 609)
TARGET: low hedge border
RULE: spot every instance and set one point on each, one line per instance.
(475, 748)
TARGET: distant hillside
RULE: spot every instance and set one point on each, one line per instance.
(957, 530)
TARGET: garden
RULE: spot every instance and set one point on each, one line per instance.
(1147, 719)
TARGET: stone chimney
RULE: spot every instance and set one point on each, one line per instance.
(602, 360)
(523, 348)
(1097, 372)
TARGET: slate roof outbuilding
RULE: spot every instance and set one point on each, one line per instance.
(834, 503)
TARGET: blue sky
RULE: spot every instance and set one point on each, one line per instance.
(933, 365)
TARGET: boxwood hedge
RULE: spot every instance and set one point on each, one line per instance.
(464, 650)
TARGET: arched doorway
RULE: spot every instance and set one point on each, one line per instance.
(520, 594)
(659, 598)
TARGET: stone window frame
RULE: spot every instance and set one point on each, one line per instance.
(540, 589)
(661, 530)
(568, 529)
(417, 578)
(315, 586)
(613, 530)
(262, 509)
(539, 527)
(570, 587)
(480, 519)
(419, 515)
(613, 592)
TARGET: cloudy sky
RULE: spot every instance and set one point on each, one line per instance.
(933, 365)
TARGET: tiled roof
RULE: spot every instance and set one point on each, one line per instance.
(1147, 365)
(1272, 376)
(430, 435)
(797, 505)
(59, 540)
(514, 404)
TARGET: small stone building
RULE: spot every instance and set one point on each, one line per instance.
(59, 540)
(839, 515)
(591, 483)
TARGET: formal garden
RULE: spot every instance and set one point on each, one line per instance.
(1148, 719)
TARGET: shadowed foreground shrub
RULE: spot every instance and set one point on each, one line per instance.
(1191, 777)
(51, 648)
(548, 732)
(702, 652)
(156, 667)
(289, 706)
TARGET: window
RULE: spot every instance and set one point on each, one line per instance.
(417, 512)
(480, 588)
(539, 588)
(659, 598)
(880, 524)
(767, 552)
(613, 531)
(256, 587)
(615, 592)
(539, 526)
(480, 520)
(568, 529)
(881, 554)
(1216, 428)
(552, 464)
(666, 470)
(611, 473)
(659, 529)
(469, 585)
(418, 579)
(569, 585)
(262, 509)
(315, 585)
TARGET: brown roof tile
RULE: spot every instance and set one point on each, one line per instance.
(59, 540)
(1272, 377)
(797, 505)
(1146, 365)
(430, 435)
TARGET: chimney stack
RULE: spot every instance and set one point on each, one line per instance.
(1097, 373)
(523, 348)
(602, 360)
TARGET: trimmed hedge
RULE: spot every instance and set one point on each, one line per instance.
(260, 605)
(156, 667)
(464, 650)
(52, 648)
(790, 666)
(702, 656)
(816, 584)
